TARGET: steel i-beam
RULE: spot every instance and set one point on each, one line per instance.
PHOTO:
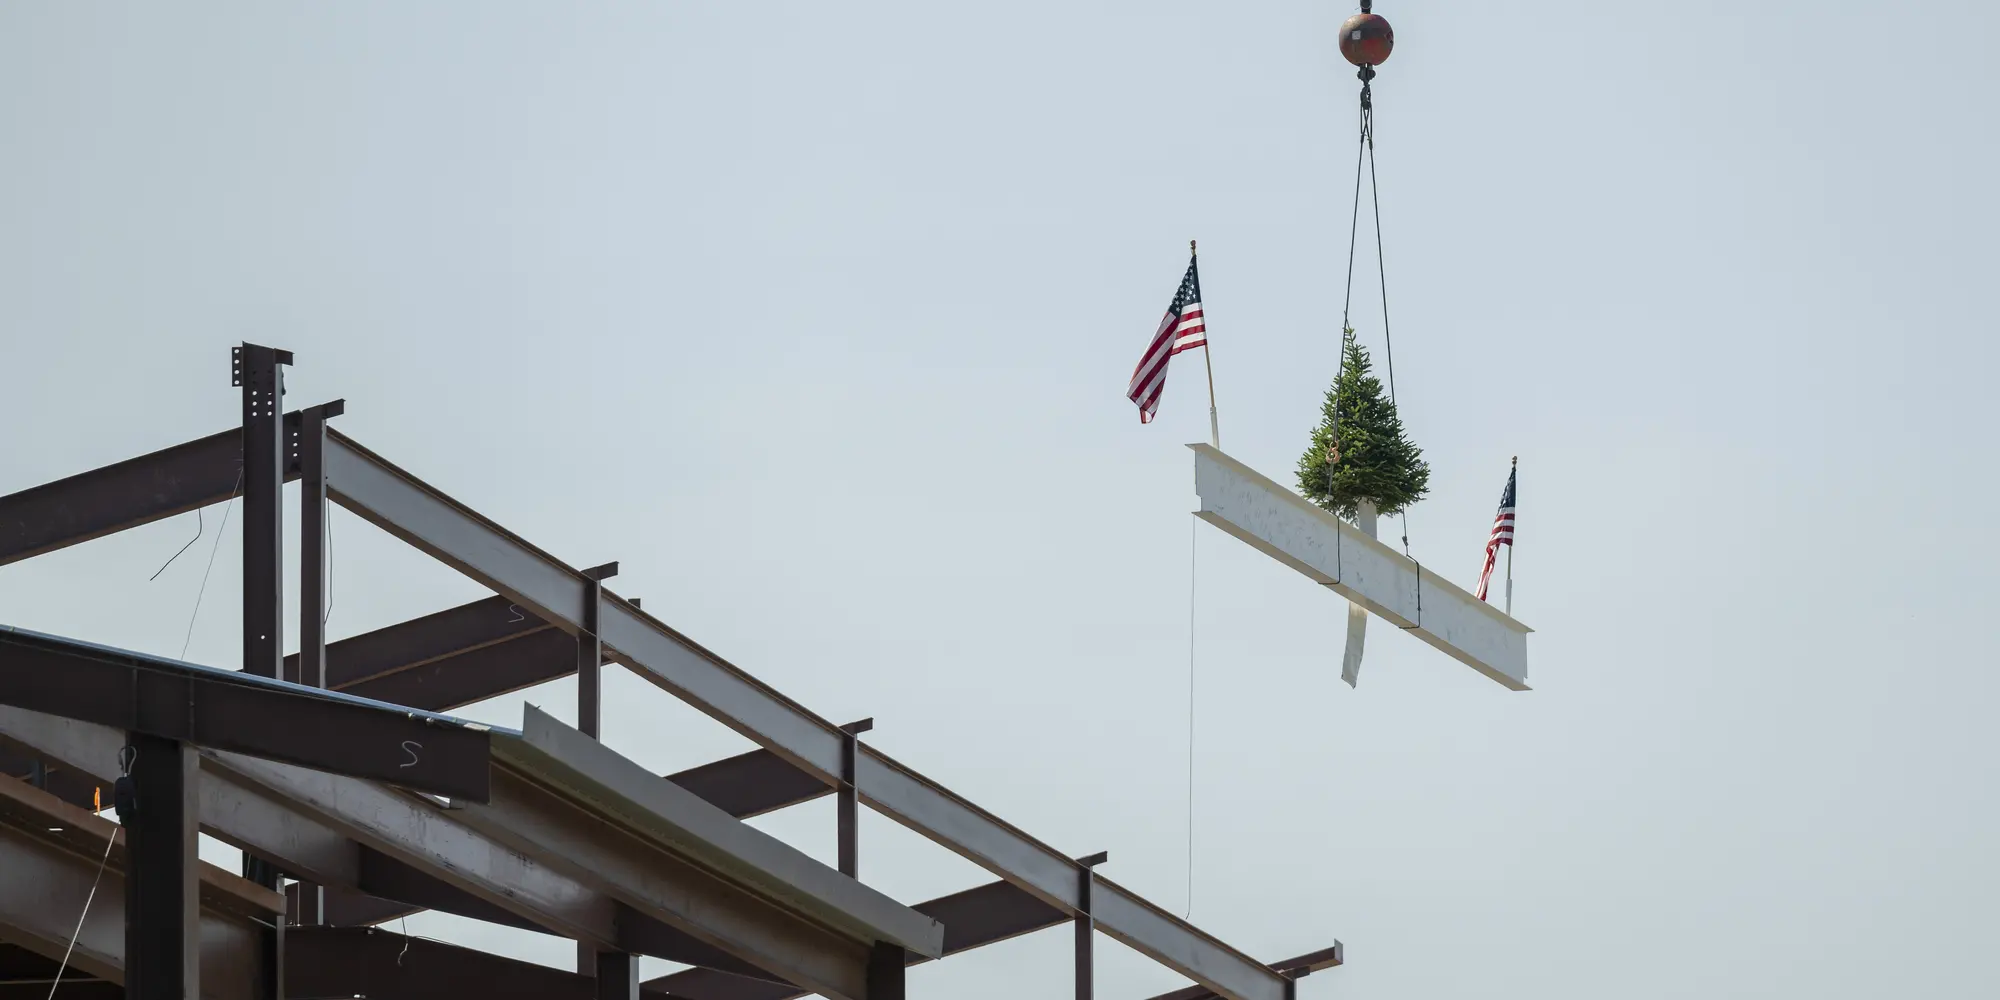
(259, 371)
(590, 654)
(308, 667)
(162, 907)
(616, 972)
(1086, 967)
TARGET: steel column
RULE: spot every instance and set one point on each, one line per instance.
(307, 904)
(617, 976)
(260, 372)
(309, 445)
(309, 666)
(848, 833)
(590, 653)
(162, 915)
(617, 972)
(1086, 967)
(885, 971)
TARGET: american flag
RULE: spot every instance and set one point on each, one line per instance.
(1181, 330)
(1503, 534)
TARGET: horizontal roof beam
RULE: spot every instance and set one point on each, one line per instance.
(231, 710)
(25, 975)
(379, 965)
(445, 661)
(1294, 968)
(125, 495)
(344, 906)
(974, 918)
(66, 784)
(531, 578)
(450, 659)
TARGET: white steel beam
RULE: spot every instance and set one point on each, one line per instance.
(448, 531)
(1338, 556)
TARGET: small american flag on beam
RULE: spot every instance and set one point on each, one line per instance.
(1502, 534)
(1181, 330)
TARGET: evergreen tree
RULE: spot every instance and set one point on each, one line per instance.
(1358, 452)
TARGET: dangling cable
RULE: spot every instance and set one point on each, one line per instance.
(85, 915)
(219, 532)
(1365, 150)
(126, 757)
(326, 520)
(1375, 199)
(199, 528)
(1194, 530)
(1382, 276)
(1354, 224)
(1353, 233)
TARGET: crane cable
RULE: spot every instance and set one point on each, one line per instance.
(1365, 149)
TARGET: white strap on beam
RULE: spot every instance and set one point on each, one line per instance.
(1340, 557)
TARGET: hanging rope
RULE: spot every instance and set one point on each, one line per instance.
(196, 613)
(1194, 529)
(126, 757)
(1365, 150)
(200, 526)
(1366, 145)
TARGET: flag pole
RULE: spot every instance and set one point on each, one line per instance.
(1513, 471)
(1208, 360)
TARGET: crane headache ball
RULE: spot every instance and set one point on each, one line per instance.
(1366, 39)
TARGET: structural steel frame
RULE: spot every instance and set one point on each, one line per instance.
(365, 852)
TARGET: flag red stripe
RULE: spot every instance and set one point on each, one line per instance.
(1181, 329)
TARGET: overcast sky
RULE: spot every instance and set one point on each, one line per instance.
(818, 318)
